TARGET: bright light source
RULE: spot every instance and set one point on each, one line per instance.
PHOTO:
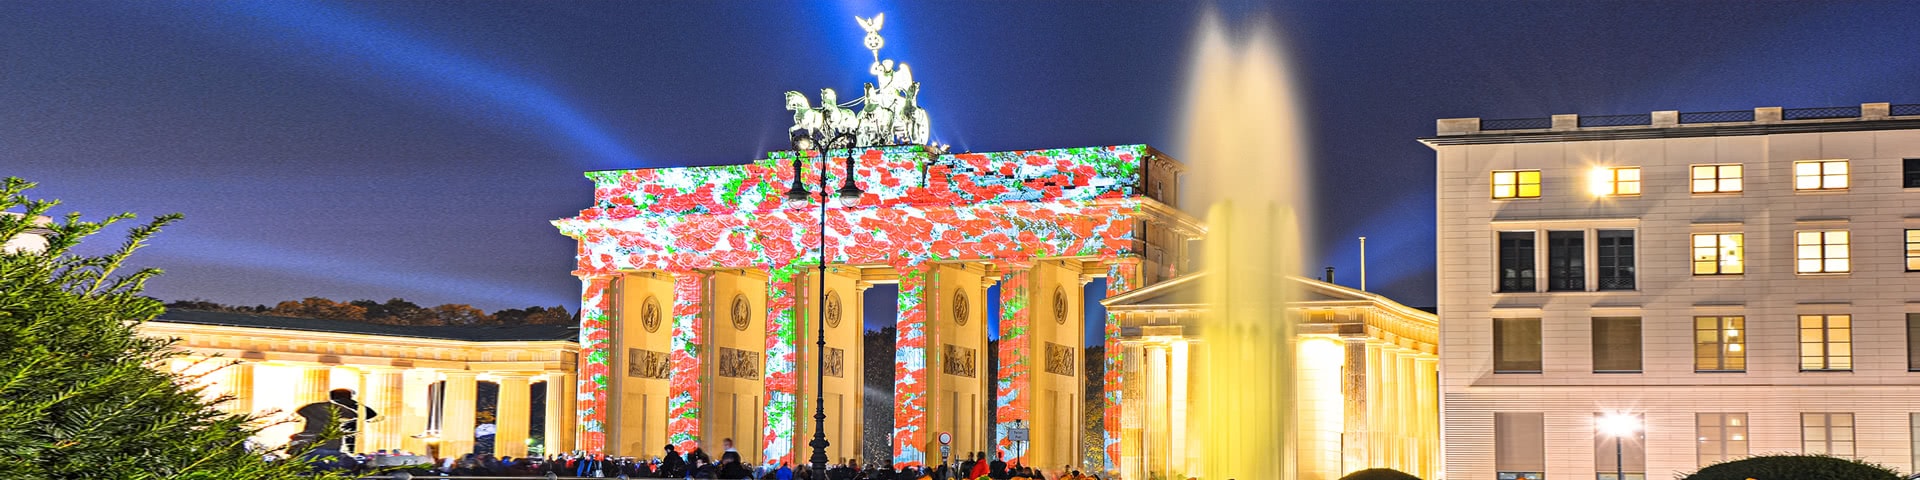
(1618, 424)
(1600, 182)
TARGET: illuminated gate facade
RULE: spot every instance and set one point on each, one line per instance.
(699, 293)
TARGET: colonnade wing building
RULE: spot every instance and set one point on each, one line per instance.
(701, 295)
(1736, 282)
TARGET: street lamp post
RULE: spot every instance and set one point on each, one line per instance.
(1619, 426)
(804, 142)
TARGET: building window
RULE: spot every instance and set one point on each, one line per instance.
(1516, 184)
(1616, 345)
(1722, 437)
(1822, 252)
(1516, 345)
(1615, 259)
(1828, 433)
(1519, 445)
(1630, 460)
(1566, 261)
(1820, 175)
(1719, 344)
(1719, 254)
(1826, 342)
(1913, 344)
(1913, 250)
(1516, 262)
(1616, 181)
(1911, 168)
(1717, 178)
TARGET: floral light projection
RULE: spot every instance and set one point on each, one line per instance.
(780, 384)
(1123, 274)
(910, 367)
(683, 407)
(1012, 386)
(594, 363)
(918, 208)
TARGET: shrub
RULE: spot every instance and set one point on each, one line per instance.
(1795, 467)
(1379, 474)
(79, 398)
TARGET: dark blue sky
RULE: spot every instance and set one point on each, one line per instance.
(418, 149)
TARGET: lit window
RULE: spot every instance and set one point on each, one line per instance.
(1913, 250)
(1723, 437)
(1820, 175)
(1719, 345)
(1822, 252)
(1717, 178)
(1516, 184)
(1718, 254)
(1826, 342)
(1828, 433)
(1616, 181)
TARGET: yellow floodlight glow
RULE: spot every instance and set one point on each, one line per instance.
(1600, 182)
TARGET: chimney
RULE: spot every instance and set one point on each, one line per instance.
(1329, 278)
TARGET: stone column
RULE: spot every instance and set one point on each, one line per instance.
(595, 364)
(313, 385)
(559, 434)
(1013, 384)
(1385, 432)
(910, 374)
(1155, 428)
(1178, 364)
(1123, 275)
(456, 413)
(238, 382)
(386, 391)
(1130, 464)
(1355, 388)
(782, 391)
(511, 416)
(415, 409)
(1409, 404)
(684, 351)
(1429, 426)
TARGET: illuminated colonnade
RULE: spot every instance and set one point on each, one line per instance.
(273, 365)
(700, 289)
(1365, 368)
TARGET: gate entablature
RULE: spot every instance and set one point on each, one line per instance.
(917, 207)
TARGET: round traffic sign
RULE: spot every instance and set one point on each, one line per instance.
(946, 438)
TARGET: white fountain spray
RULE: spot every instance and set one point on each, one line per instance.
(1244, 138)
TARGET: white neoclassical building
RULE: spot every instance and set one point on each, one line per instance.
(421, 380)
(1732, 283)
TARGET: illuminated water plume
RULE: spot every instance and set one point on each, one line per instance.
(1245, 143)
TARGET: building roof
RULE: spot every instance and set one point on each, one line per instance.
(1675, 124)
(490, 333)
(1184, 293)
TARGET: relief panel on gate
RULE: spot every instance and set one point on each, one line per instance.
(647, 364)
(959, 361)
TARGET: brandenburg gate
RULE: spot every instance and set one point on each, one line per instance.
(698, 285)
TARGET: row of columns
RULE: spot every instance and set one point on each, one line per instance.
(1388, 416)
(915, 352)
(401, 397)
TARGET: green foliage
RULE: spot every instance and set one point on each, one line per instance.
(79, 397)
(1795, 467)
(1379, 474)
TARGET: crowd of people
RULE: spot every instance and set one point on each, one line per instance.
(329, 453)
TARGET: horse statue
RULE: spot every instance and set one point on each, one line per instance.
(913, 127)
(876, 118)
(806, 119)
(838, 120)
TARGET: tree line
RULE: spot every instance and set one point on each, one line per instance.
(394, 311)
